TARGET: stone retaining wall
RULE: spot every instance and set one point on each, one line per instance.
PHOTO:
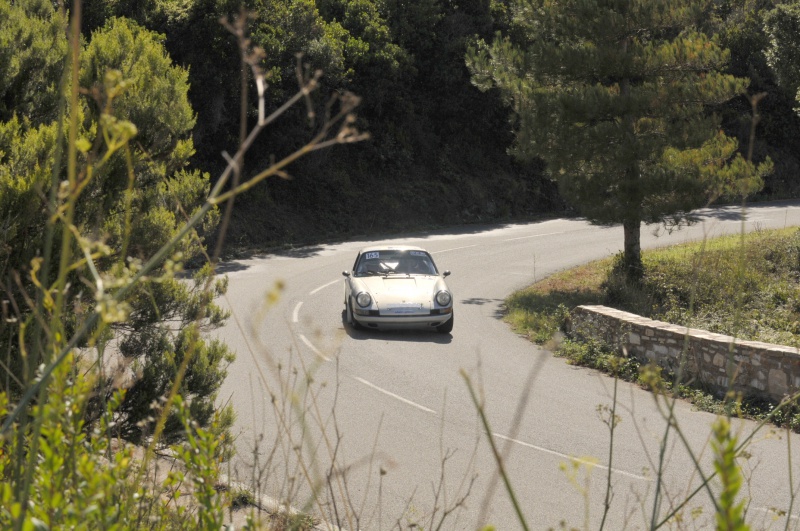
(717, 361)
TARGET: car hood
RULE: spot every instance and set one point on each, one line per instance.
(396, 289)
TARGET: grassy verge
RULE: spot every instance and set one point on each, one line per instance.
(538, 312)
(743, 286)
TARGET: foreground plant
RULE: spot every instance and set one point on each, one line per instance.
(102, 340)
(83, 478)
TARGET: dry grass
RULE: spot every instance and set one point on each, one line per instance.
(537, 312)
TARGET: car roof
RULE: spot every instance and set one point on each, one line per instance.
(390, 248)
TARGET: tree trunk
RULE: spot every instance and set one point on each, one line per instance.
(633, 250)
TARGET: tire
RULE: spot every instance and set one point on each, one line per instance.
(447, 327)
(351, 320)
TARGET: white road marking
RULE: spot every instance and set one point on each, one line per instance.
(400, 398)
(296, 312)
(565, 456)
(454, 249)
(323, 287)
(314, 349)
(533, 236)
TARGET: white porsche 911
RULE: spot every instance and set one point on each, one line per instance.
(397, 287)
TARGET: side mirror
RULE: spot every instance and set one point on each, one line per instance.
(346, 273)
(446, 273)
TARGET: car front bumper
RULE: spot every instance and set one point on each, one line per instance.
(403, 321)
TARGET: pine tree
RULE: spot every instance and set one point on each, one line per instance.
(616, 97)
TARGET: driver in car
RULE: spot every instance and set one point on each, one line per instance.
(418, 267)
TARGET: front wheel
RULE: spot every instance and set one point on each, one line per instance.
(447, 327)
(351, 320)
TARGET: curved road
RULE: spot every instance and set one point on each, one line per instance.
(394, 413)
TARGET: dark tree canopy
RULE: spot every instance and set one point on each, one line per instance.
(782, 26)
(434, 134)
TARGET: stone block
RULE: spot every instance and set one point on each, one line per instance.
(777, 384)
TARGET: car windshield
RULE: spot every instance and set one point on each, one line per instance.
(390, 262)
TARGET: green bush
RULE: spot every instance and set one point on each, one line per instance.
(597, 355)
(104, 342)
(72, 475)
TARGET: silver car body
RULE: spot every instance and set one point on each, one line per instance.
(402, 284)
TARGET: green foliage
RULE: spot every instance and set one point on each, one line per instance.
(133, 195)
(32, 51)
(435, 139)
(613, 96)
(72, 475)
(348, 40)
(158, 354)
(620, 291)
(103, 340)
(693, 286)
(155, 96)
(730, 513)
(285, 28)
(539, 326)
(293, 522)
(598, 356)
(433, 133)
(24, 175)
(782, 25)
(741, 28)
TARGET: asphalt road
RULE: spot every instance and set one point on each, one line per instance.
(393, 411)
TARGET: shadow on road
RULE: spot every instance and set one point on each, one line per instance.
(722, 213)
(314, 249)
(222, 268)
(294, 252)
(734, 212)
(499, 311)
(230, 267)
(233, 266)
(415, 336)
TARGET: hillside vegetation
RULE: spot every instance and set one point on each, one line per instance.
(439, 147)
(128, 129)
(743, 286)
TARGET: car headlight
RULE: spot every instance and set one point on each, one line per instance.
(443, 298)
(363, 299)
